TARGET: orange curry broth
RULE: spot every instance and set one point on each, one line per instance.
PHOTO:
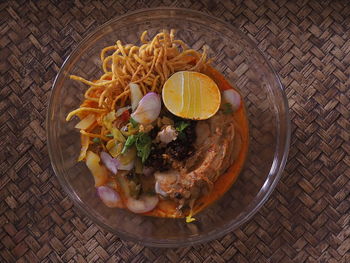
(167, 208)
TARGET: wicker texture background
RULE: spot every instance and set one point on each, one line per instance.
(307, 218)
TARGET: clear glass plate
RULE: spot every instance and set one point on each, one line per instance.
(241, 62)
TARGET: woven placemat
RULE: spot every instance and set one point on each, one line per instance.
(307, 218)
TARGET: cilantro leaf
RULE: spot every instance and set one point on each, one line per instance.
(129, 142)
(227, 108)
(143, 146)
(182, 125)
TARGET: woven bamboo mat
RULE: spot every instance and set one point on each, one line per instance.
(307, 219)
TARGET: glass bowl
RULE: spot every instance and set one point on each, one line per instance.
(238, 58)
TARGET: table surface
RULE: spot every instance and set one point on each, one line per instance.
(307, 217)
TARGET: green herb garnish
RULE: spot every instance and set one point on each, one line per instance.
(133, 122)
(96, 140)
(143, 146)
(180, 127)
(110, 135)
(129, 142)
(227, 108)
(142, 142)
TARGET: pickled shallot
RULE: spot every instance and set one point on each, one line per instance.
(109, 197)
(148, 109)
(233, 98)
(110, 162)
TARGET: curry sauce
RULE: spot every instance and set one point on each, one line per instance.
(168, 208)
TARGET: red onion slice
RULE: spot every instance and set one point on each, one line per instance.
(109, 197)
(148, 109)
(144, 204)
(233, 97)
(111, 163)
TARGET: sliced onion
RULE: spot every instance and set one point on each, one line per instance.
(126, 167)
(86, 122)
(136, 95)
(167, 134)
(142, 205)
(111, 163)
(121, 111)
(148, 109)
(233, 97)
(159, 190)
(109, 197)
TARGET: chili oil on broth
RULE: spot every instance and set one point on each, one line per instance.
(168, 208)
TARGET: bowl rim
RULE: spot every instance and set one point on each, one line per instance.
(192, 240)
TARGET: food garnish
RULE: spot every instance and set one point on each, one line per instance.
(191, 95)
(148, 109)
(232, 100)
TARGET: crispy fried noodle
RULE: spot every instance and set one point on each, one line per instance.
(148, 65)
